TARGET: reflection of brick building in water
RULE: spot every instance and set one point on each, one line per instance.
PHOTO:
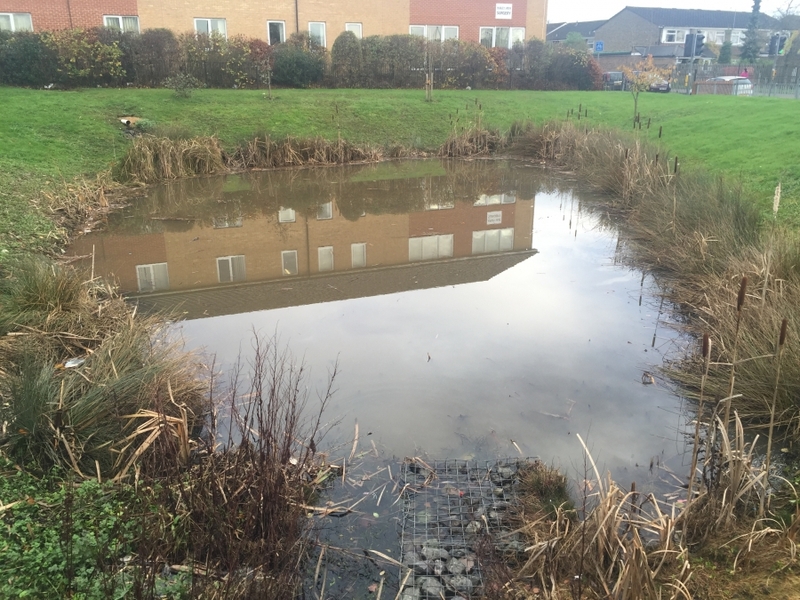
(310, 242)
(491, 23)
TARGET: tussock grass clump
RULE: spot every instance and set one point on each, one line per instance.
(88, 387)
(472, 141)
(262, 152)
(151, 159)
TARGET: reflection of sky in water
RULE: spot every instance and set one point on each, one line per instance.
(554, 346)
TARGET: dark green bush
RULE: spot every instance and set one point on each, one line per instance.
(346, 60)
(295, 66)
(156, 55)
(25, 60)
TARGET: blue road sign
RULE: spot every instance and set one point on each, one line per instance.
(598, 46)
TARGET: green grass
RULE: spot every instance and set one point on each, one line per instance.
(48, 137)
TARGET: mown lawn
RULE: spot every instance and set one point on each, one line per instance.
(47, 137)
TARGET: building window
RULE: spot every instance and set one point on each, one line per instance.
(670, 36)
(325, 258)
(286, 215)
(227, 222)
(435, 33)
(501, 37)
(317, 33)
(209, 26)
(16, 22)
(325, 211)
(355, 28)
(231, 269)
(289, 262)
(125, 24)
(430, 247)
(492, 240)
(737, 37)
(276, 32)
(152, 278)
(490, 200)
(358, 255)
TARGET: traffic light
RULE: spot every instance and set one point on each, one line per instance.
(693, 46)
(776, 44)
(698, 44)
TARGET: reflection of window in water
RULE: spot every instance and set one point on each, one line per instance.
(430, 247)
(439, 204)
(325, 211)
(286, 215)
(289, 262)
(225, 222)
(358, 255)
(152, 278)
(489, 200)
(231, 268)
(325, 258)
(492, 240)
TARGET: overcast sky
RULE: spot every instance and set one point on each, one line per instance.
(592, 10)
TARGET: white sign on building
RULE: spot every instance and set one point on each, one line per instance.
(502, 11)
(494, 217)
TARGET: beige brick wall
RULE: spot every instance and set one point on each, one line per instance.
(249, 18)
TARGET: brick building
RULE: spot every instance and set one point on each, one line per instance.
(38, 15)
(486, 21)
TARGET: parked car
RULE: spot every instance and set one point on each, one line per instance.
(613, 80)
(660, 86)
(728, 84)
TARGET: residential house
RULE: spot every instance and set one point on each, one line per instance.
(634, 27)
(557, 32)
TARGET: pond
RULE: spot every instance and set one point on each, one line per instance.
(475, 309)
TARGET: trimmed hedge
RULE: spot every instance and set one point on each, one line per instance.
(105, 57)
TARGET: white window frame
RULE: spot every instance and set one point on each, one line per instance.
(284, 270)
(511, 32)
(12, 17)
(429, 30)
(121, 23)
(417, 246)
(494, 199)
(325, 252)
(503, 243)
(209, 21)
(325, 211)
(356, 28)
(283, 32)
(358, 255)
(324, 42)
(155, 287)
(229, 260)
(670, 33)
(286, 215)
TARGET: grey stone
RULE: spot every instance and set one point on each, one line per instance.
(456, 567)
(460, 583)
(473, 527)
(438, 567)
(433, 553)
(430, 586)
(410, 558)
(410, 593)
(420, 567)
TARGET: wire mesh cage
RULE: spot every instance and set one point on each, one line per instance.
(449, 508)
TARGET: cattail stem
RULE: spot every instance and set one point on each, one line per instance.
(739, 305)
(778, 356)
(695, 448)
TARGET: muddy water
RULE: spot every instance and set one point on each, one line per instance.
(474, 309)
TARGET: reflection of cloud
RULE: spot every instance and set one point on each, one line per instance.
(509, 352)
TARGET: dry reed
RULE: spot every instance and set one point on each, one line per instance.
(700, 234)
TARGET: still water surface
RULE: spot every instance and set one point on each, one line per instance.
(475, 309)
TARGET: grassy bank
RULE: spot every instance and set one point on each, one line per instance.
(48, 138)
